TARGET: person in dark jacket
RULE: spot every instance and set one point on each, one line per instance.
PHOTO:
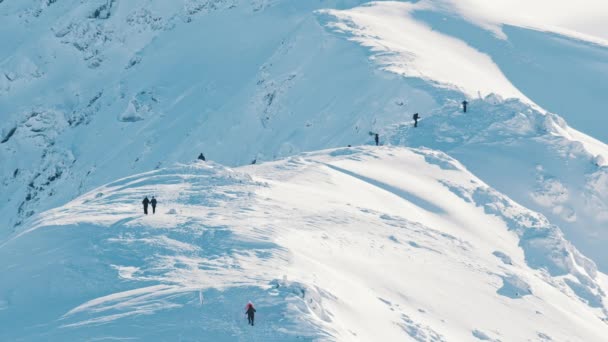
(464, 106)
(377, 139)
(201, 157)
(416, 117)
(153, 202)
(145, 202)
(250, 313)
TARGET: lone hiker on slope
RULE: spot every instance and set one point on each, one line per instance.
(250, 313)
(153, 202)
(145, 203)
(464, 106)
(416, 117)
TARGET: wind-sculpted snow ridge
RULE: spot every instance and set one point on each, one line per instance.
(527, 155)
(399, 43)
(367, 244)
(536, 157)
(445, 42)
(105, 271)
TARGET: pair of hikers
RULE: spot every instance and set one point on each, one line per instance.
(416, 116)
(152, 202)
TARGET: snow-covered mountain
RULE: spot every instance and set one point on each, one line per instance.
(357, 244)
(139, 85)
(536, 159)
(333, 245)
(154, 83)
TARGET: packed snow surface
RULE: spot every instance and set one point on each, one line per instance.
(351, 244)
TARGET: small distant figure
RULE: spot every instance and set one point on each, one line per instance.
(153, 202)
(145, 202)
(416, 117)
(250, 313)
(254, 161)
(377, 139)
(464, 106)
(201, 157)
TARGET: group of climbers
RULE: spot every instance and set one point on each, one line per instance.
(249, 308)
(201, 157)
(416, 117)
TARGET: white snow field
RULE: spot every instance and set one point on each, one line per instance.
(98, 90)
(352, 244)
(406, 241)
(536, 159)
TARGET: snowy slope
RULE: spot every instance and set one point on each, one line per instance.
(524, 154)
(336, 245)
(561, 73)
(98, 90)
(156, 83)
(359, 244)
(533, 157)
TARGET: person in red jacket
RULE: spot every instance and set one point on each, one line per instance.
(250, 313)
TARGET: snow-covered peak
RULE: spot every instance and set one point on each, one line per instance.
(537, 158)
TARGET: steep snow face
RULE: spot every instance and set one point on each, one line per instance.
(401, 45)
(353, 244)
(560, 73)
(527, 155)
(537, 159)
(98, 90)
